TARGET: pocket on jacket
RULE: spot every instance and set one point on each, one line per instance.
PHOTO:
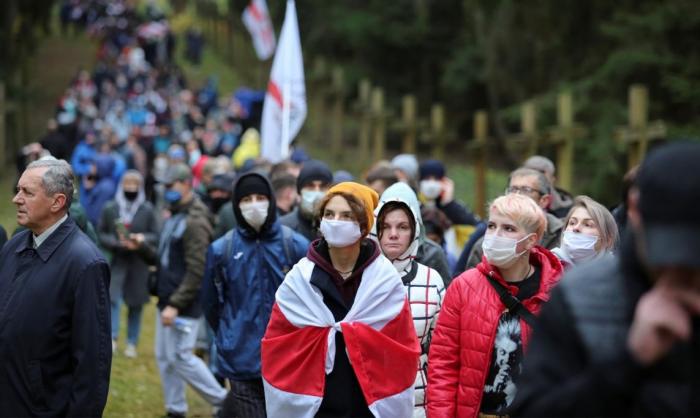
(36, 382)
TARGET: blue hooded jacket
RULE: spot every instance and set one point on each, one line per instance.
(238, 289)
(93, 200)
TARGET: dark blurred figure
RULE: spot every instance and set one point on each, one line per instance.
(55, 142)
(194, 45)
(620, 337)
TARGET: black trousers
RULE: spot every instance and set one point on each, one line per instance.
(246, 399)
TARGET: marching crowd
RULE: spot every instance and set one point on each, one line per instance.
(313, 293)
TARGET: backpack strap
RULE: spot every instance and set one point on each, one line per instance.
(512, 303)
(287, 237)
(221, 271)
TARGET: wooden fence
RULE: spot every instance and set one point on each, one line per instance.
(328, 95)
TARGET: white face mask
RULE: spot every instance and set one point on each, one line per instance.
(255, 213)
(431, 189)
(309, 198)
(340, 233)
(500, 251)
(580, 247)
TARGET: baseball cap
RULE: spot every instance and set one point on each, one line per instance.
(178, 172)
(669, 197)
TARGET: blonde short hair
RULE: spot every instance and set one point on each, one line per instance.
(523, 211)
(601, 216)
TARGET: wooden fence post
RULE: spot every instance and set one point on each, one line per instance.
(481, 128)
(639, 131)
(379, 125)
(528, 126)
(318, 106)
(363, 93)
(338, 84)
(565, 150)
(408, 112)
(437, 126)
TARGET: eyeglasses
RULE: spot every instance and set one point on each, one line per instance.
(523, 190)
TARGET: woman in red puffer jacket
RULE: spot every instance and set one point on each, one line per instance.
(478, 345)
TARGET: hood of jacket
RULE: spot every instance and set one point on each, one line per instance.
(401, 192)
(243, 226)
(104, 164)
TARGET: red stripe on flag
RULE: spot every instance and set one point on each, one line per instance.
(385, 361)
(294, 359)
(275, 92)
(255, 12)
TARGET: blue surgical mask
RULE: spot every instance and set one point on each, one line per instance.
(172, 196)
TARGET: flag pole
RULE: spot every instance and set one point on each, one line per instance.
(286, 88)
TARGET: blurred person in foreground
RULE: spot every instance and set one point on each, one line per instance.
(590, 232)
(620, 337)
(341, 342)
(55, 353)
(487, 315)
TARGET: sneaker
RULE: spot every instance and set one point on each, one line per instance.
(114, 347)
(130, 351)
(171, 414)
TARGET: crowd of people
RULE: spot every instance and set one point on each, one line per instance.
(309, 292)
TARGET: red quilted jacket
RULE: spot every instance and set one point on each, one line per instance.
(460, 352)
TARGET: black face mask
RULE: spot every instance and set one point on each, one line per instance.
(218, 202)
(131, 196)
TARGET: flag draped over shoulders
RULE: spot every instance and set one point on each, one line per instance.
(298, 348)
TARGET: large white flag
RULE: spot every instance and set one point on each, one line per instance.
(284, 109)
(257, 20)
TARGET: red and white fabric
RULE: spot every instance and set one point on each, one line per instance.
(298, 348)
(284, 109)
(256, 19)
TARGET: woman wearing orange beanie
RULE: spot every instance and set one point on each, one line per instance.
(341, 333)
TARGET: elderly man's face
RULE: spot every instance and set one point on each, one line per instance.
(35, 210)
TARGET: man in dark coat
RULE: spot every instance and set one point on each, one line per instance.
(55, 353)
(620, 337)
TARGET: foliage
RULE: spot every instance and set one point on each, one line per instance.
(474, 54)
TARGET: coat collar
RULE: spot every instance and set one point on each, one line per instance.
(551, 271)
(47, 248)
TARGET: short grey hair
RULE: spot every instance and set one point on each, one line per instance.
(58, 178)
(540, 163)
(545, 185)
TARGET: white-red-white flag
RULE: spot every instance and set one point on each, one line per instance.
(284, 110)
(257, 20)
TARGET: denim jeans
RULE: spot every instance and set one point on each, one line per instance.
(178, 366)
(133, 325)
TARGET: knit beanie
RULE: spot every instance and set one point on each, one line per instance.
(432, 168)
(249, 185)
(408, 164)
(314, 170)
(364, 194)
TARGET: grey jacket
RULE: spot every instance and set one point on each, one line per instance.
(129, 268)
